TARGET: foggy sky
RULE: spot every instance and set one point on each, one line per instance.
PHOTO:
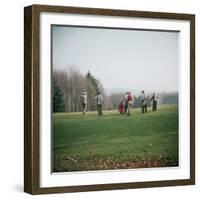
(119, 58)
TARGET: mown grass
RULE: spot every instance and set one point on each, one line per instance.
(113, 141)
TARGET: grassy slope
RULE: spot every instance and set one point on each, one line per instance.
(115, 141)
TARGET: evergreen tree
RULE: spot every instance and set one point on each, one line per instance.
(93, 81)
(58, 101)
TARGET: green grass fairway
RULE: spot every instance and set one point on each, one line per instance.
(114, 141)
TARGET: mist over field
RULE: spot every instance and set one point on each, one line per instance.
(124, 59)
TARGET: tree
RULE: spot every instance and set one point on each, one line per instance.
(91, 91)
(58, 102)
(93, 87)
(169, 98)
(71, 83)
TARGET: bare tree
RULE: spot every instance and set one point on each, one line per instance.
(71, 82)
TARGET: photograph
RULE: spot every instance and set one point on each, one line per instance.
(114, 98)
(109, 99)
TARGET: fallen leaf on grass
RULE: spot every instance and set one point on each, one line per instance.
(71, 159)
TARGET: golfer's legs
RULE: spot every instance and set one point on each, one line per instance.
(129, 108)
(155, 106)
(85, 108)
(126, 105)
(99, 108)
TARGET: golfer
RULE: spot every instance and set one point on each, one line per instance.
(130, 103)
(99, 101)
(154, 100)
(144, 102)
(125, 102)
(121, 107)
(83, 99)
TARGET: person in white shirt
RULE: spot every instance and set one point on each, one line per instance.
(144, 102)
(130, 103)
(83, 99)
(154, 100)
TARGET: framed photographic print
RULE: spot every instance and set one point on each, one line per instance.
(109, 99)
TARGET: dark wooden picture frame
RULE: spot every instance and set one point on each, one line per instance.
(32, 95)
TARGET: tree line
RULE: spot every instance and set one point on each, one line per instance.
(68, 85)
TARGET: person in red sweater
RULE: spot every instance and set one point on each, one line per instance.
(121, 108)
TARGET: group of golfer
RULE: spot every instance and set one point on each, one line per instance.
(99, 102)
(125, 106)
